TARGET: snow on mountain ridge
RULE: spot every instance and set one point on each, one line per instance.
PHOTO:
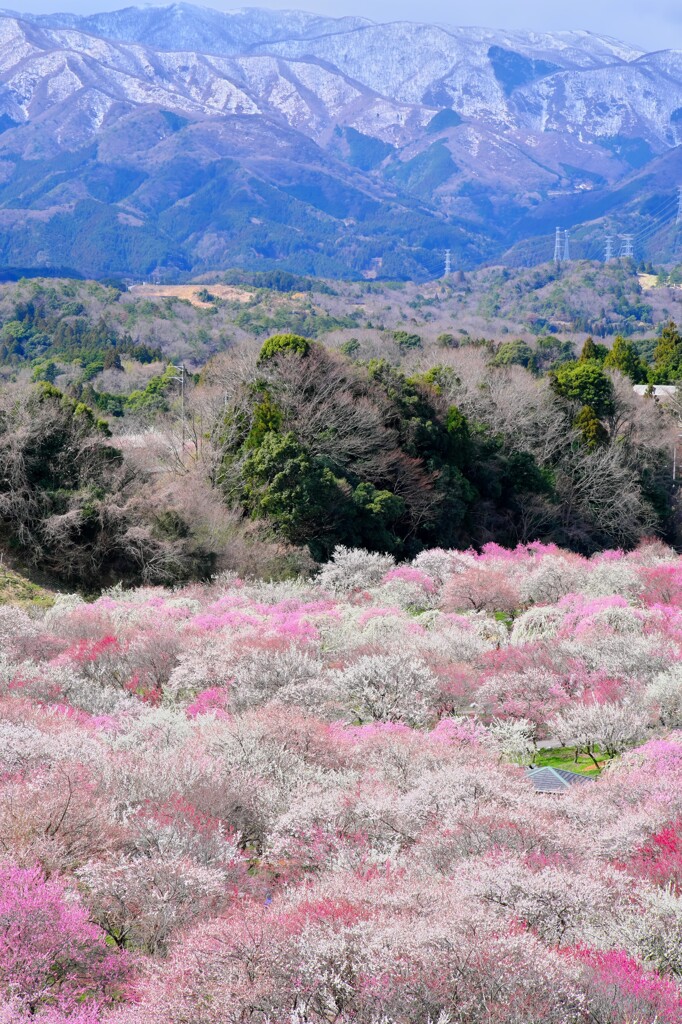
(307, 94)
(290, 125)
(187, 26)
(384, 80)
(234, 30)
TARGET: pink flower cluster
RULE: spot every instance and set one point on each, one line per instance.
(307, 801)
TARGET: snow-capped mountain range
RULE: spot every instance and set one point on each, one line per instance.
(194, 138)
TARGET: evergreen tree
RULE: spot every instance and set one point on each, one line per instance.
(668, 355)
(590, 426)
(284, 343)
(299, 496)
(593, 352)
(589, 351)
(587, 384)
(623, 357)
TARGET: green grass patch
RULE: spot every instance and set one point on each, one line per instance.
(15, 589)
(565, 757)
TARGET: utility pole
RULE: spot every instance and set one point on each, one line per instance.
(567, 254)
(181, 379)
(675, 444)
(557, 246)
(448, 267)
(609, 249)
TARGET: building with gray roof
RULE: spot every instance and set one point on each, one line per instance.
(555, 780)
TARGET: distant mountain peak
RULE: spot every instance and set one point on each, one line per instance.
(253, 133)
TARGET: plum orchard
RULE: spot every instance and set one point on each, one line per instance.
(306, 801)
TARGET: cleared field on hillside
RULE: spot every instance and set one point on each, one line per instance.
(191, 293)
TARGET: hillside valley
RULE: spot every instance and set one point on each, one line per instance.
(193, 322)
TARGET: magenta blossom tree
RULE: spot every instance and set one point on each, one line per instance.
(51, 956)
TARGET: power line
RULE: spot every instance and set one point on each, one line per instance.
(663, 216)
(634, 241)
(654, 229)
(656, 210)
(642, 239)
(659, 218)
(529, 252)
(593, 249)
(645, 239)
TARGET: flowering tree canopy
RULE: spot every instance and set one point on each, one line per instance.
(308, 801)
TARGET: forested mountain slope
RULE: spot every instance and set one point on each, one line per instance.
(187, 139)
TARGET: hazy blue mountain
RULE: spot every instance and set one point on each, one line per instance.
(185, 137)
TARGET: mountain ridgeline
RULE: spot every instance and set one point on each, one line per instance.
(180, 139)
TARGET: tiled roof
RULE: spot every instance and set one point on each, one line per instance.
(555, 780)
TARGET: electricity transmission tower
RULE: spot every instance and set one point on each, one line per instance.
(609, 249)
(448, 267)
(567, 253)
(557, 246)
(627, 249)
